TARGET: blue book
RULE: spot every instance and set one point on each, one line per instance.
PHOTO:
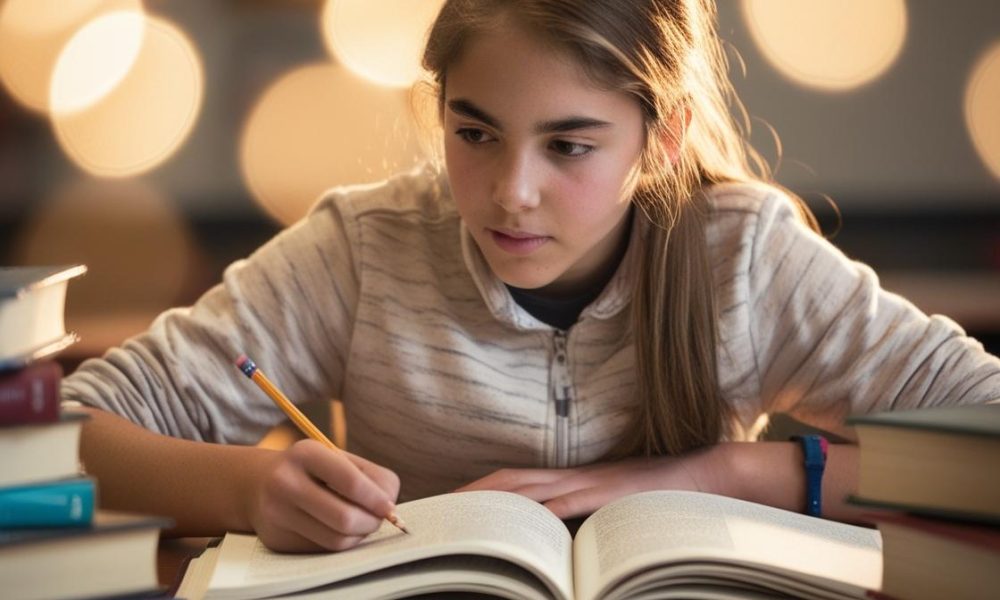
(60, 503)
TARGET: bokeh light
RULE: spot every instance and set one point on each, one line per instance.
(381, 41)
(982, 108)
(137, 247)
(832, 45)
(146, 117)
(34, 32)
(96, 60)
(320, 126)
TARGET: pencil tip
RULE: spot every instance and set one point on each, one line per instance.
(395, 520)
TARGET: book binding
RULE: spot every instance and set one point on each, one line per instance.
(64, 503)
(30, 395)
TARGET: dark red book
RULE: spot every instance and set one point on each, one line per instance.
(925, 558)
(31, 394)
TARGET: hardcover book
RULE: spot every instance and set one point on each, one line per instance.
(935, 461)
(30, 395)
(115, 556)
(32, 320)
(926, 558)
(654, 544)
(61, 503)
(41, 451)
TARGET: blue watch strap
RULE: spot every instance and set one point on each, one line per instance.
(814, 450)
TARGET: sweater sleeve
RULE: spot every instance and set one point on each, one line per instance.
(829, 341)
(289, 306)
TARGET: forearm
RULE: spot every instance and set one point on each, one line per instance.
(772, 473)
(205, 488)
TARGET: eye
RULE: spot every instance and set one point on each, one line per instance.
(473, 135)
(571, 149)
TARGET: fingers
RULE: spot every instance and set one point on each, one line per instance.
(541, 492)
(510, 480)
(341, 474)
(594, 486)
(298, 531)
(384, 478)
(579, 502)
(336, 513)
(569, 492)
(312, 498)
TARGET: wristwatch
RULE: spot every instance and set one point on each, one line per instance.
(814, 449)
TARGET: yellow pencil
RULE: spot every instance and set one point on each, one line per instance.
(250, 369)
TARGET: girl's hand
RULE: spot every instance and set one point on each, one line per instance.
(310, 498)
(580, 491)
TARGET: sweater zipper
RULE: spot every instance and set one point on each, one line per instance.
(562, 395)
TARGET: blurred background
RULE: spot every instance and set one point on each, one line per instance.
(158, 141)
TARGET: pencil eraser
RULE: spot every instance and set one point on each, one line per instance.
(246, 365)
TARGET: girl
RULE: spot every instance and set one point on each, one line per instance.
(600, 293)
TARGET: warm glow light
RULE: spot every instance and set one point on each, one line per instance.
(32, 34)
(146, 117)
(95, 60)
(320, 126)
(982, 108)
(832, 45)
(280, 437)
(138, 249)
(381, 41)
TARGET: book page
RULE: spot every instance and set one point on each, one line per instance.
(498, 524)
(471, 575)
(730, 579)
(653, 528)
(32, 320)
(194, 585)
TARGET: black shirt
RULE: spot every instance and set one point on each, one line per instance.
(560, 313)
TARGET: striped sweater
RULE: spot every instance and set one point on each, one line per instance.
(380, 297)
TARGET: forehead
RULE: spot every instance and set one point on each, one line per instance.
(508, 67)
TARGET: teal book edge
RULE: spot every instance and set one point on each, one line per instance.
(61, 503)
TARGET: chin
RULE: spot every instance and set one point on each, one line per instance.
(520, 279)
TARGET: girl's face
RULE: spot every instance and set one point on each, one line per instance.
(540, 161)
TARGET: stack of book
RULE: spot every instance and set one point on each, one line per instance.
(938, 471)
(53, 541)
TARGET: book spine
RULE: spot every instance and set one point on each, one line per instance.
(65, 503)
(30, 395)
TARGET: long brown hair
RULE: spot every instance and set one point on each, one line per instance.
(668, 55)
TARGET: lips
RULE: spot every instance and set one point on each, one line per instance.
(517, 234)
(519, 243)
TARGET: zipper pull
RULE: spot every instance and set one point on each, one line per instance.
(559, 337)
(562, 391)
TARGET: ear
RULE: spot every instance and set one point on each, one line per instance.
(674, 132)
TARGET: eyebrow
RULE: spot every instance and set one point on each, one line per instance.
(468, 109)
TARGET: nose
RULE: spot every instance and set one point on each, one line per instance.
(515, 188)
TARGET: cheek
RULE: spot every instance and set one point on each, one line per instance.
(593, 201)
(461, 174)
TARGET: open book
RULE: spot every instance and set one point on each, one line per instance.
(664, 544)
